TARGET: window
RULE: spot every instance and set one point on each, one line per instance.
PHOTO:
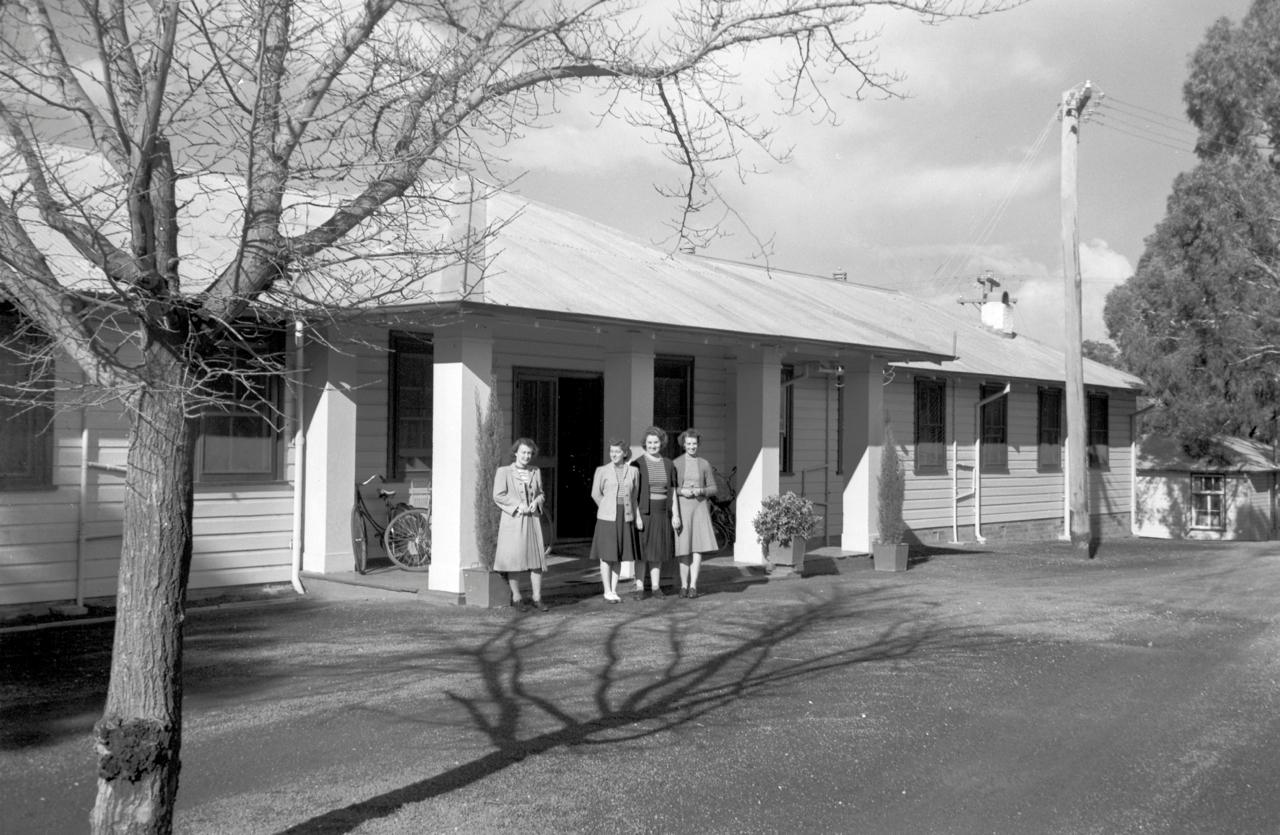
(931, 426)
(787, 421)
(239, 436)
(995, 428)
(1099, 431)
(673, 399)
(411, 381)
(1049, 429)
(26, 404)
(1208, 495)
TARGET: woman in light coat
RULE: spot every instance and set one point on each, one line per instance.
(614, 489)
(517, 491)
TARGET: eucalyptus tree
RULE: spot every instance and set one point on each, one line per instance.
(1200, 318)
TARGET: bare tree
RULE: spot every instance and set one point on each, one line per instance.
(321, 124)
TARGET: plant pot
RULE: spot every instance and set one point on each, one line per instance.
(890, 557)
(486, 588)
(790, 557)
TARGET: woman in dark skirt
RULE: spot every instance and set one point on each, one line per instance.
(614, 490)
(658, 518)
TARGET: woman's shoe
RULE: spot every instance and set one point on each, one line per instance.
(520, 605)
(612, 598)
(693, 592)
(540, 606)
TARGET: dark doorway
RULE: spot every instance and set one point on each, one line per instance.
(563, 411)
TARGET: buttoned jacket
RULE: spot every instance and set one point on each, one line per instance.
(604, 492)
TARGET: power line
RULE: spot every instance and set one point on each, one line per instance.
(982, 232)
(1177, 121)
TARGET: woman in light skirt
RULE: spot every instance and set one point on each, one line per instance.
(517, 490)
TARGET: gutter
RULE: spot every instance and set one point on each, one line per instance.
(977, 460)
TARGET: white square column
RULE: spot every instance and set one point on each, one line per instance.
(462, 370)
(330, 426)
(758, 401)
(628, 388)
(863, 438)
(628, 396)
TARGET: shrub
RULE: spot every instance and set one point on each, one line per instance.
(784, 517)
(893, 486)
(491, 453)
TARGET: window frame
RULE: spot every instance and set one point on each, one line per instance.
(1098, 431)
(402, 344)
(1218, 515)
(30, 412)
(1049, 433)
(935, 462)
(667, 422)
(787, 421)
(256, 397)
(993, 426)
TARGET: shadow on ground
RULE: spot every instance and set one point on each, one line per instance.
(630, 705)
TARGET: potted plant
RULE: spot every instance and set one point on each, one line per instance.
(480, 585)
(786, 520)
(890, 552)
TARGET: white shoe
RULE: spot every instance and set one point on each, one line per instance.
(612, 597)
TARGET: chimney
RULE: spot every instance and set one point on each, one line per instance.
(997, 314)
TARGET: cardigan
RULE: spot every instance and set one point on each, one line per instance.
(706, 475)
(604, 492)
(673, 483)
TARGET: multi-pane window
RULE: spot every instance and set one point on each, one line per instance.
(1099, 430)
(239, 428)
(995, 428)
(26, 404)
(931, 426)
(1049, 429)
(787, 421)
(673, 399)
(1208, 495)
(411, 381)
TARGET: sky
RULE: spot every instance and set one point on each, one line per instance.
(925, 193)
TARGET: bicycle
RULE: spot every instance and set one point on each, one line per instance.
(724, 519)
(405, 539)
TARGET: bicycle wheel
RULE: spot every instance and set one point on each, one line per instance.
(359, 542)
(407, 539)
(722, 525)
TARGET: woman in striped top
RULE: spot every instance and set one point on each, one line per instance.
(656, 476)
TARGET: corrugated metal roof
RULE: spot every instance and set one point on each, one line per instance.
(548, 261)
(1225, 455)
(554, 261)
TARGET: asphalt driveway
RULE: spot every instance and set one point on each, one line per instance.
(1007, 690)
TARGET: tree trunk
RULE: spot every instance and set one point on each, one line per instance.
(138, 738)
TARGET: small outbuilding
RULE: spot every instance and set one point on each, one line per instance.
(1229, 492)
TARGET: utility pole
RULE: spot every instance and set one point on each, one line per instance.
(1077, 458)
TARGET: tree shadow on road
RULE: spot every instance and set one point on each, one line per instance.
(631, 700)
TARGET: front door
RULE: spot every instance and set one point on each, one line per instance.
(563, 412)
